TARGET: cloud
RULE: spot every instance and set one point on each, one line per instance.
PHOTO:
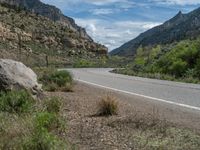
(103, 2)
(114, 22)
(70, 4)
(116, 33)
(177, 2)
(94, 2)
(102, 11)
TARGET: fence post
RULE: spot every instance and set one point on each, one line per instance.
(47, 61)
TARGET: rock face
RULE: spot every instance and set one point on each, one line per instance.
(51, 12)
(34, 36)
(16, 76)
(180, 27)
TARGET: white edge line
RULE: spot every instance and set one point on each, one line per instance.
(135, 94)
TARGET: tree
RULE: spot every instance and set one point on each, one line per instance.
(178, 68)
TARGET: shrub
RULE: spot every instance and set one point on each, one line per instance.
(61, 78)
(43, 141)
(43, 137)
(16, 101)
(108, 106)
(57, 80)
(51, 87)
(53, 105)
(178, 68)
(45, 121)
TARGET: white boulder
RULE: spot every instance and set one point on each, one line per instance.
(16, 76)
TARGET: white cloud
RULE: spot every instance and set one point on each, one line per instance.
(102, 11)
(110, 31)
(103, 2)
(116, 33)
(94, 2)
(177, 2)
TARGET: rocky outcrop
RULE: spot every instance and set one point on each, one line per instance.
(7, 34)
(180, 27)
(16, 76)
(24, 31)
(51, 12)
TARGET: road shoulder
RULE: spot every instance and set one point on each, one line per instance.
(137, 118)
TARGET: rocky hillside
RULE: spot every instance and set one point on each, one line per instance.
(180, 27)
(27, 33)
(51, 12)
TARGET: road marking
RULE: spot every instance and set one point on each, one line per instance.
(140, 95)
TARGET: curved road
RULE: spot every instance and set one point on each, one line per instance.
(174, 93)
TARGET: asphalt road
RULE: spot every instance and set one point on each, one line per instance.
(173, 93)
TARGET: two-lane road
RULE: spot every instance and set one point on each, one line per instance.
(173, 93)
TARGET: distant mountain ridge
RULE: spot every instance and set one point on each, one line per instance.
(180, 27)
(51, 12)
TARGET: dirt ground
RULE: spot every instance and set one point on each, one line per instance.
(118, 132)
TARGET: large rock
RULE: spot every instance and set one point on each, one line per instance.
(16, 76)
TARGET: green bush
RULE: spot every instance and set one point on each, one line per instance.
(42, 138)
(16, 101)
(181, 57)
(43, 141)
(176, 61)
(197, 69)
(57, 80)
(177, 68)
(45, 121)
(53, 105)
(60, 78)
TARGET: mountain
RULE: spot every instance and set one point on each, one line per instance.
(180, 27)
(51, 12)
(35, 30)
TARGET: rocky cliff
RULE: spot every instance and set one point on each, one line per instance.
(28, 32)
(180, 27)
(51, 12)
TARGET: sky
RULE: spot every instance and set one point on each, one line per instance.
(115, 22)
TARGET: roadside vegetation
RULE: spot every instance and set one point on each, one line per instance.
(103, 62)
(41, 124)
(54, 80)
(177, 62)
(27, 123)
(108, 106)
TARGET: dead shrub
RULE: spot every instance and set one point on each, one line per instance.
(108, 106)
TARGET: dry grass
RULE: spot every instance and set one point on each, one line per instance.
(108, 106)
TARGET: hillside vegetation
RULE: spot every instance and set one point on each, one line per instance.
(177, 61)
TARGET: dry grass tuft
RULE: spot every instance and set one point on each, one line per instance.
(108, 106)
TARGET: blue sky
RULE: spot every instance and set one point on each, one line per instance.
(114, 22)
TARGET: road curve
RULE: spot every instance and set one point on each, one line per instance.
(175, 93)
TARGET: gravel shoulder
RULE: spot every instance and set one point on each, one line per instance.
(136, 118)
